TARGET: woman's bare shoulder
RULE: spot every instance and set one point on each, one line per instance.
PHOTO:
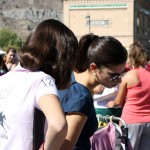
(131, 78)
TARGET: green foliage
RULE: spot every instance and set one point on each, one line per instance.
(8, 38)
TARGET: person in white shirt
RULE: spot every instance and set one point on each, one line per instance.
(45, 64)
(102, 95)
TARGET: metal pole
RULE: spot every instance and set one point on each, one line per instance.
(89, 23)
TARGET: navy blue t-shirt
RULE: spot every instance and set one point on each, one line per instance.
(77, 98)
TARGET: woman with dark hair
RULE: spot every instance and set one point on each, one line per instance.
(45, 65)
(100, 60)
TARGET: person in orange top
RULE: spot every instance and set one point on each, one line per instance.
(134, 96)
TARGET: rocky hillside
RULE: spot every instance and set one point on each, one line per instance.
(23, 15)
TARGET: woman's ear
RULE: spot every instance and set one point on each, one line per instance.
(93, 67)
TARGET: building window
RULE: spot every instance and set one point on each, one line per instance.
(148, 25)
(137, 23)
(143, 26)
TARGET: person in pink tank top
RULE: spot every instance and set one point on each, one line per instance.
(134, 96)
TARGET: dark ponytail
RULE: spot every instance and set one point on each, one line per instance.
(82, 58)
(104, 51)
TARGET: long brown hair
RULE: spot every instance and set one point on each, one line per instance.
(51, 48)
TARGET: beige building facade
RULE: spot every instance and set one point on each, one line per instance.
(126, 20)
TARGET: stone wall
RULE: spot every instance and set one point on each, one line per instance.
(23, 15)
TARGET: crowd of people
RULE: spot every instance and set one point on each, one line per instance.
(52, 88)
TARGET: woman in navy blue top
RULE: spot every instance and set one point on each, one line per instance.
(100, 60)
(78, 99)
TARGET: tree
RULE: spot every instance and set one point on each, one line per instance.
(8, 38)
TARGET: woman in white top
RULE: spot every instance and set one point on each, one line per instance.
(45, 60)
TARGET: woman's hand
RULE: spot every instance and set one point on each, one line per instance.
(111, 104)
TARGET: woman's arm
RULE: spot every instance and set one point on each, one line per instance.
(120, 95)
(57, 126)
(129, 80)
(98, 89)
(75, 122)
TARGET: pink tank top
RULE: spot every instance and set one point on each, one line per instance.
(137, 103)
